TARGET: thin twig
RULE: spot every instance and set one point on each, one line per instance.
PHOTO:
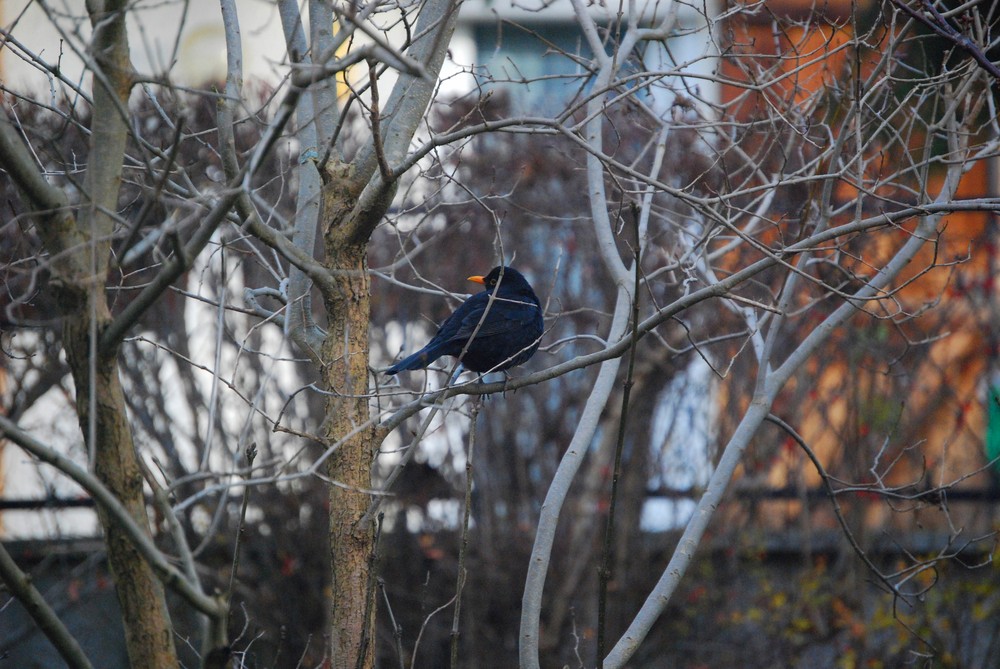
(251, 454)
(605, 570)
(416, 644)
(397, 630)
(790, 431)
(464, 545)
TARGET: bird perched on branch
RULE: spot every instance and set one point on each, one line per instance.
(494, 334)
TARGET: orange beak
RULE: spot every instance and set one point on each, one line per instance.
(477, 279)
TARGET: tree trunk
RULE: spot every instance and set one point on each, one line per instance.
(345, 376)
(148, 632)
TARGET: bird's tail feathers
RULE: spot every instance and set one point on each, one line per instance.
(418, 360)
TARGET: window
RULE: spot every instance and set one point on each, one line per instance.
(542, 54)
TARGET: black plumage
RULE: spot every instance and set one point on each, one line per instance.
(509, 327)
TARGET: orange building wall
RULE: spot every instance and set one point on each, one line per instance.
(934, 420)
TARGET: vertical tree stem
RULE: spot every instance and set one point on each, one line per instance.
(609, 532)
(463, 546)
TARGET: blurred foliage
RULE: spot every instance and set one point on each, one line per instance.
(758, 609)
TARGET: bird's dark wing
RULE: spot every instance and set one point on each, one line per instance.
(504, 316)
(450, 337)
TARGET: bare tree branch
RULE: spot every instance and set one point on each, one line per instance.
(34, 603)
(167, 572)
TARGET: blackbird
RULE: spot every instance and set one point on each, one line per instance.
(509, 327)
